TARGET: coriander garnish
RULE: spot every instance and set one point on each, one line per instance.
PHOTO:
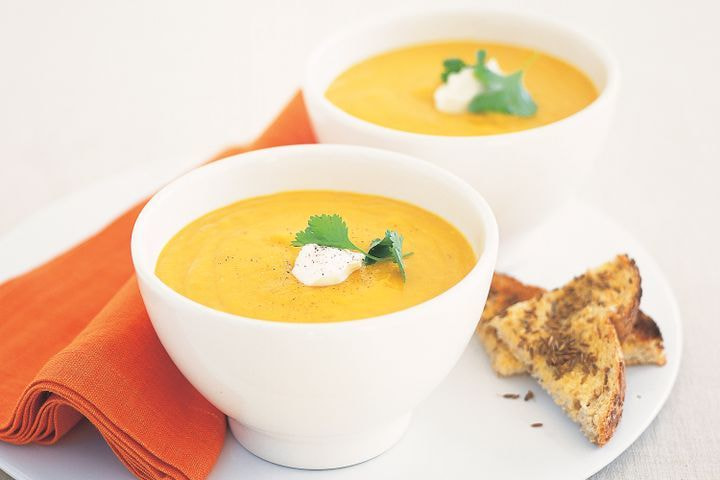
(451, 65)
(387, 248)
(327, 231)
(501, 93)
(331, 231)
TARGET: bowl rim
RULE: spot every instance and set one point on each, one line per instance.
(488, 254)
(315, 93)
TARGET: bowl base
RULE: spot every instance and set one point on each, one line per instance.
(320, 453)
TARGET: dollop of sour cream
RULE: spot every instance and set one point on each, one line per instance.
(318, 266)
(455, 95)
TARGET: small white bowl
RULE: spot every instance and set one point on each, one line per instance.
(524, 175)
(316, 395)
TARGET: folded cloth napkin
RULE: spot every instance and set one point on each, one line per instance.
(76, 342)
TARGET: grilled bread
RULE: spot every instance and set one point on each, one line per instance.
(642, 346)
(504, 292)
(573, 351)
(616, 285)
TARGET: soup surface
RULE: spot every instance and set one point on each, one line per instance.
(238, 258)
(395, 89)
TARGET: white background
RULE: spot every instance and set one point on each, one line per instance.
(91, 89)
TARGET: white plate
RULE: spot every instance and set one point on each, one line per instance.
(464, 430)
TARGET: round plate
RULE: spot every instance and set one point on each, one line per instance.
(465, 429)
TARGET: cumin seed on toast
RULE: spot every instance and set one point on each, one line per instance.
(643, 346)
(574, 354)
(615, 285)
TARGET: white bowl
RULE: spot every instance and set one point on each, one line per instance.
(524, 175)
(316, 395)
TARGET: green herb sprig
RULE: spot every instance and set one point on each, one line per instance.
(332, 231)
(501, 93)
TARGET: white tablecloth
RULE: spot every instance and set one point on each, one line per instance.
(89, 89)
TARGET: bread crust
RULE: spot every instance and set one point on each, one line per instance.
(644, 345)
(645, 328)
(614, 415)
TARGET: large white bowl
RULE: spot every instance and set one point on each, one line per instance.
(524, 175)
(316, 395)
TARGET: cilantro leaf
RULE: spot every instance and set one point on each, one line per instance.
(389, 248)
(451, 65)
(379, 250)
(396, 251)
(327, 231)
(501, 93)
(489, 79)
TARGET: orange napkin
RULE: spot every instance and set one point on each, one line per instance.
(75, 341)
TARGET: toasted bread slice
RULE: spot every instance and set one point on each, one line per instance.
(615, 284)
(574, 353)
(642, 346)
(504, 292)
